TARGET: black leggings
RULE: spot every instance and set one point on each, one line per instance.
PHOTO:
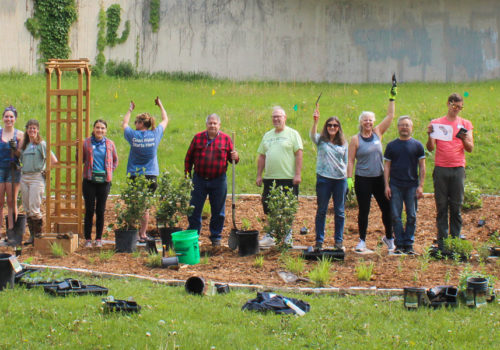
(95, 196)
(366, 187)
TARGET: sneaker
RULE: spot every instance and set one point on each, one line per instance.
(98, 243)
(388, 242)
(339, 246)
(318, 246)
(397, 251)
(267, 241)
(215, 244)
(361, 247)
(88, 243)
(289, 239)
(409, 250)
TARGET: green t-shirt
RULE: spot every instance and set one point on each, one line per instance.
(279, 149)
(33, 158)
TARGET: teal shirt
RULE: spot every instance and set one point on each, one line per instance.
(332, 159)
(33, 158)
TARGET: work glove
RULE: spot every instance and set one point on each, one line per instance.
(350, 184)
(13, 145)
(394, 88)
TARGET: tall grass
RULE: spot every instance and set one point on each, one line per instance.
(245, 108)
(170, 318)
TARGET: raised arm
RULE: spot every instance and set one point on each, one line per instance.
(164, 117)
(314, 128)
(386, 123)
(126, 118)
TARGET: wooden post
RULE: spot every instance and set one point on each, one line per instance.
(68, 124)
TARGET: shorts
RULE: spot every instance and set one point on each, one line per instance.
(5, 175)
(152, 181)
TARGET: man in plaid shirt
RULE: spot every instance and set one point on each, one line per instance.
(209, 153)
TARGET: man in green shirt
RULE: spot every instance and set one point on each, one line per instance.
(280, 158)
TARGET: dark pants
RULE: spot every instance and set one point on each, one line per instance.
(449, 195)
(365, 187)
(216, 190)
(268, 183)
(95, 196)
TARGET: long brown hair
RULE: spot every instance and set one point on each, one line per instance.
(147, 120)
(338, 139)
(26, 138)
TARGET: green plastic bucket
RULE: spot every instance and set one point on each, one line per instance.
(186, 246)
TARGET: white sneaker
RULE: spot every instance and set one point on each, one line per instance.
(98, 243)
(361, 247)
(389, 243)
(88, 244)
(267, 241)
(289, 239)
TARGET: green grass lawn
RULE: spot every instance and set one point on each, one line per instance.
(245, 109)
(172, 319)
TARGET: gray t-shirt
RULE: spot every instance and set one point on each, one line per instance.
(369, 157)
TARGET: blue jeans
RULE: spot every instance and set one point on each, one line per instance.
(408, 196)
(216, 190)
(325, 189)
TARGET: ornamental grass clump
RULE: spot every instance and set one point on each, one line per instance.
(282, 206)
(364, 270)
(320, 274)
(172, 198)
(293, 264)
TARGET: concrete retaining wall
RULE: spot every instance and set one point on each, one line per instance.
(288, 40)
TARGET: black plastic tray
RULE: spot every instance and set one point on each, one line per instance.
(30, 285)
(323, 253)
(88, 289)
(121, 306)
(25, 271)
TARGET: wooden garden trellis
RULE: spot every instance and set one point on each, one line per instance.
(68, 124)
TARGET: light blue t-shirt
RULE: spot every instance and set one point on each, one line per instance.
(99, 154)
(143, 149)
(332, 159)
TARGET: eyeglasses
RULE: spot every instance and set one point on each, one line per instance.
(457, 107)
(332, 125)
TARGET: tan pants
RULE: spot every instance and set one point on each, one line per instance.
(32, 190)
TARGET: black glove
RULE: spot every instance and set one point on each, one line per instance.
(13, 145)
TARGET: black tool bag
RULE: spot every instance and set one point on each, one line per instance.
(273, 302)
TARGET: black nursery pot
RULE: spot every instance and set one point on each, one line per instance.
(195, 285)
(414, 297)
(166, 236)
(7, 274)
(248, 242)
(125, 241)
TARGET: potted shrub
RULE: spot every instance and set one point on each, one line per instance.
(135, 200)
(283, 206)
(172, 198)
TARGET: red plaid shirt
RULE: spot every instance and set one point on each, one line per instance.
(209, 157)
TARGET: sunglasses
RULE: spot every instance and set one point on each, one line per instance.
(454, 106)
(332, 125)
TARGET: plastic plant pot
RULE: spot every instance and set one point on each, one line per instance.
(125, 241)
(195, 285)
(248, 242)
(222, 288)
(7, 274)
(171, 262)
(414, 297)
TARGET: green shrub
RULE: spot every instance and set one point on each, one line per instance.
(320, 274)
(472, 196)
(459, 247)
(123, 69)
(282, 205)
(364, 270)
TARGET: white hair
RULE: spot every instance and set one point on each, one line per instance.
(213, 115)
(363, 115)
(277, 110)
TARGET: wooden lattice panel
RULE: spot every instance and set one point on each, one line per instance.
(68, 124)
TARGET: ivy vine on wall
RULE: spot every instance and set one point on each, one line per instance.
(154, 15)
(101, 43)
(51, 23)
(113, 14)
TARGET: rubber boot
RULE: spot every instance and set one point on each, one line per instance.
(37, 227)
(31, 240)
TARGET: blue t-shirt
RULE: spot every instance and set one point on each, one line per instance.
(99, 154)
(332, 159)
(143, 149)
(404, 156)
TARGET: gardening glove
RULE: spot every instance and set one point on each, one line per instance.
(394, 88)
(350, 184)
(13, 145)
